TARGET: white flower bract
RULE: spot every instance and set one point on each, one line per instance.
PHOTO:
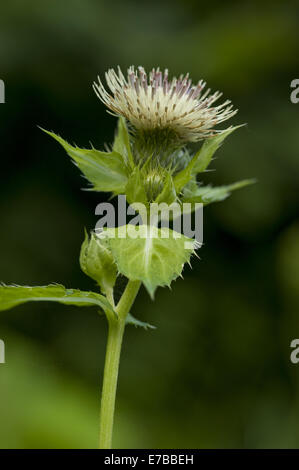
(152, 101)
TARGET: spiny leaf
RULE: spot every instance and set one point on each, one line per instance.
(209, 148)
(168, 194)
(208, 194)
(130, 320)
(135, 190)
(201, 159)
(11, 296)
(105, 170)
(149, 254)
(122, 141)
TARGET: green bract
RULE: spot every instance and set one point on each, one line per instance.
(201, 160)
(122, 143)
(97, 262)
(106, 171)
(208, 194)
(146, 180)
(135, 189)
(149, 254)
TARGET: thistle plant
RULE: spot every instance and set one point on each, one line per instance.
(150, 162)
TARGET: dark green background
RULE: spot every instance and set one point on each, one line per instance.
(216, 372)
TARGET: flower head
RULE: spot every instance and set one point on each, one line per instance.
(152, 102)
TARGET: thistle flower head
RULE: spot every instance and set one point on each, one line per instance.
(153, 102)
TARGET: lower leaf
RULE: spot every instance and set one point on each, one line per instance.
(11, 296)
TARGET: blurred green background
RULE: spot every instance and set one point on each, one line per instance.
(216, 373)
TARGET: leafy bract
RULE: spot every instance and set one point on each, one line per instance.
(11, 296)
(208, 149)
(155, 256)
(106, 171)
(135, 190)
(201, 159)
(97, 262)
(168, 193)
(208, 194)
(130, 320)
(122, 141)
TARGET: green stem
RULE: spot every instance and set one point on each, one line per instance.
(115, 335)
(113, 349)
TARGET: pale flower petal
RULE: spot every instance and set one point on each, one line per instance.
(152, 101)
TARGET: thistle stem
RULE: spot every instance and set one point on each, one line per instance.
(113, 350)
(115, 336)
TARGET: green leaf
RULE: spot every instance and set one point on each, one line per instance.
(209, 148)
(130, 320)
(122, 142)
(201, 159)
(135, 190)
(11, 296)
(168, 194)
(97, 262)
(105, 170)
(184, 176)
(208, 194)
(152, 255)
